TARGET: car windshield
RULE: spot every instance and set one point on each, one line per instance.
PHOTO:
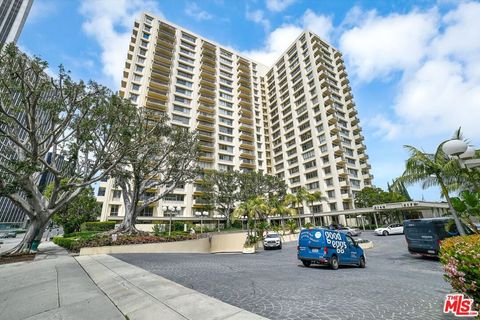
(272, 235)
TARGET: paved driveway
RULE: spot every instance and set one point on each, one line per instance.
(395, 285)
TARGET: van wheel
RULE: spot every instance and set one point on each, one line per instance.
(306, 263)
(334, 263)
(385, 233)
(361, 264)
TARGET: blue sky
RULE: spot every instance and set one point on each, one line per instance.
(414, 66)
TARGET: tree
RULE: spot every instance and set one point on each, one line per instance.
(221, 189)
(255, 209)
(254, 184)
(435, 169)
(281, 207)
(314, 197)
(399, 188)
(467, 206)
(84, 126)
(162, 158)
(83, 208)
(370, 196)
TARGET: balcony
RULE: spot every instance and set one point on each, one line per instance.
(245, 103)
(156, 104)
(246, 112)
(337, 150)
(165, 43)
(208, 66)
(358, 138)
(355, 121)
(333, 129)
(205, 116)
(157, 94)
(206, 108)
(207, 88)
(208, 99)
(343, 184)
(331, 119)
(248, 165)
(340, 161)
(342, 172)
(159, 84)
(162, 75)
(352, 112)
(328, 100)
(206, 126)
(204, 73)
(162, 56)
(165, 67)
(346, 196)
(336, 139)
(246, 120)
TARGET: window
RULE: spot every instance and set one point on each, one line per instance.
(184, 74)
(225, 157)
(117, 194)
(147, 212)
(225, 138)
(225, 130)
(184, 83)
(174, 197)
(133, 97)
(181, 109)
(181, 119)
(226, 112)
(138, 68)
(226, 148)
(101, 192)
(146, 36)
(331, 193)
(311, 175)
(135, 87)
(114, 210)
(188, 37)
(185, 66)
(137, 77)
(226, 121)
(313, 185)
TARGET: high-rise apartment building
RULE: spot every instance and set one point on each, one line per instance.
(13, 14)
(295, 119)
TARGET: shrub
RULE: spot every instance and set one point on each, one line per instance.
(156, 230)
(460, 257)
(237, 224)
(81, 234)
(67, 243)
(98, 226)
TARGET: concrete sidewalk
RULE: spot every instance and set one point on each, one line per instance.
(53, 286)
(140, 294)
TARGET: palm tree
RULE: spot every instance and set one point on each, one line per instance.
(434, 170)
(280, 206)
(313, 197)
(254, 208)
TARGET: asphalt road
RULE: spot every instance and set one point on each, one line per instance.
(274, 284)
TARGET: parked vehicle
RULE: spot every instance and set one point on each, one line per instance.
(424, 236)
(272, 240)
(8, 234)
(395, 228)
(328, 247)
(350, 231)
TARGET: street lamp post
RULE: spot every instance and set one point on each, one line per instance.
(171, 210)
(201, 215)
(218, 217)
(460, 150)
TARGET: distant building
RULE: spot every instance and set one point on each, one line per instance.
(13, 14)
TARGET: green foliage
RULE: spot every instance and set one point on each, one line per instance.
(370, 196)
(460, 257)
(291, 226)
(309, 225)
(67, 243)
(81, 234)
(254, 184)
(251, 240)
(98, 226)
(83, 208)
(467, 206)
(156, 229)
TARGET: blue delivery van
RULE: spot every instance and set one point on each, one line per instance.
(328, 247)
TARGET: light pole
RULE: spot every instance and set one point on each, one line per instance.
(201, 215)
(244, 218)
(218, 217)
(171, 210)
(460, 150)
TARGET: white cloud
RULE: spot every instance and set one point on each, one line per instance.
(442, 92)
(110, 23)
(378, 46)
(279, 39)
(278, 5)
(258, 16)
(384, 128)
(194, 11)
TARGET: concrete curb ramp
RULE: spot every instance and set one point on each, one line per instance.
(140, 294)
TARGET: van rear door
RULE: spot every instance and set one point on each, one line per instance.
(311, 244)
(421, 236)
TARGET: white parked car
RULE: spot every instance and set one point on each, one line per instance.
(272, 240)
(395, 228)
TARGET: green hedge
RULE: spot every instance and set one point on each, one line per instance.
(81, 234)
(460, 257)
(67, 243)
(98, 226)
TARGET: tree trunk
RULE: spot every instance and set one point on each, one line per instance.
(127, 226)
(34, 232)
(457, 220)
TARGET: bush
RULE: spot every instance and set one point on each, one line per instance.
(237, 224)
(98, 226)
(67, 243)
(81, 234)
(156, 230)
(460, 257)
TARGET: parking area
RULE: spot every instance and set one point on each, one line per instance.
(274, 284)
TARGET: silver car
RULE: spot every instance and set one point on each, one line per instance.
(350, 231)
(272, 240)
